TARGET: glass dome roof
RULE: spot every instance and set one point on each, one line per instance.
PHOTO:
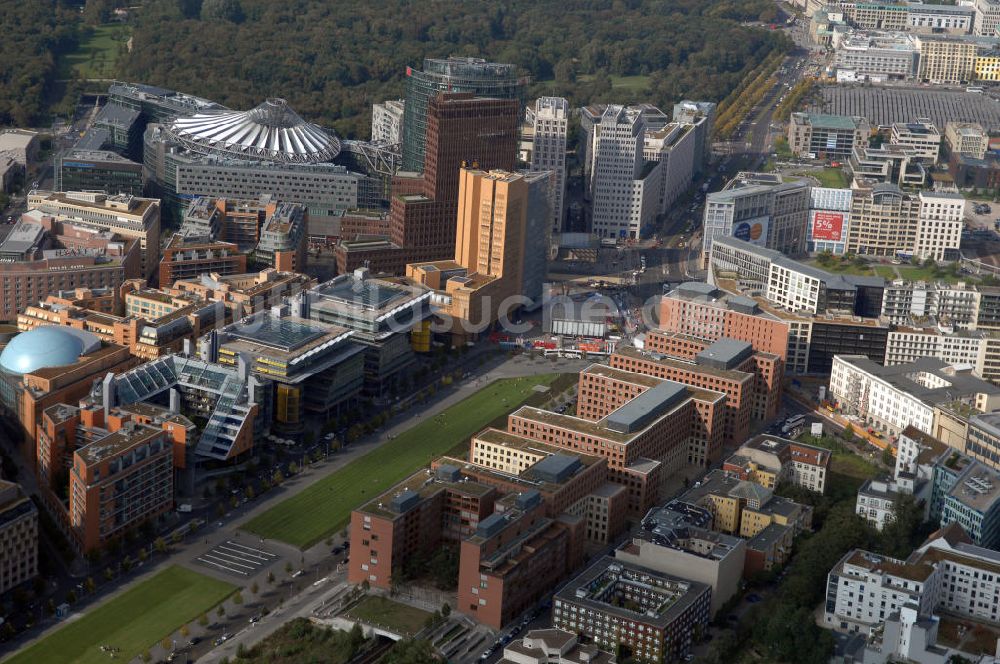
(48, 346)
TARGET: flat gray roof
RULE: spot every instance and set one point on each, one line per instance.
(725, 353)
(22, 238)
(643, 409)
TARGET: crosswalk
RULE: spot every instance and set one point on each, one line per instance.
(237, 559)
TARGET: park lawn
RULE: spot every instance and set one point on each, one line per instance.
(921, 273)
(325, 507)
(383, 612)
(843, 267)
(829, 177)
(97, 54)
(134, 621)
(636, 83)
(852, 465)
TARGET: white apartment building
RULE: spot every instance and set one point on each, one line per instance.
(905, 345)
(875, 502)
(626, 188)
(987, 18)
(952, 19)
(945, 573)
(970, 577)
(885, 221)
(967, 138)
(877, 56)
(674, 146)
(387, 121)
(920, 136)
(939, 225)
(863, 589)
(795, 287)
(549, 119)
(951, 306)
(894, 397)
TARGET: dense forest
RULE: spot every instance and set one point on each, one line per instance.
(333, 58)
(32, 34)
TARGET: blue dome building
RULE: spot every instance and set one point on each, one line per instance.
(47, 346)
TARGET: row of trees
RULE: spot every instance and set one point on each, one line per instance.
(333, 59)
(794, 98)
(748, 94)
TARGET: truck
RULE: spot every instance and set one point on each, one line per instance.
(793, 423)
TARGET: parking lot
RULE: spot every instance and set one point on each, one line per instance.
(237, 559)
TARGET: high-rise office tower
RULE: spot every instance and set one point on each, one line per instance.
(550, 120)
(462, 130)
(501, 225)
(481, 78)
(626, 187)
(501, 234)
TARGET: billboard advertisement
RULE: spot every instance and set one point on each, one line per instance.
(828, 226)
(753, 231)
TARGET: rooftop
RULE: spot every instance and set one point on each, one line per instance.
(951, 383)
(725, 354)
(414, 490)
(708, 369)
(685, 527)
(824, 121)
(119, 442)
(977, 488)
(271, 131)
(660, 598)
(875, 563)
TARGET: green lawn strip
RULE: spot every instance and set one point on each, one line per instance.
(921, 273)
(833, 178)
(838, 266)
(383, 612)
(96, 55)
(325, 507)
(635, 83)
(134, 621)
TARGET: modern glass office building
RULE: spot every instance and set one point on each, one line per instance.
(485, 79)
(97, 170)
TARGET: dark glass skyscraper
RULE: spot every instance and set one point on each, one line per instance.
(483, 79)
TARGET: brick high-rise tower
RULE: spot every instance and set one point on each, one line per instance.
(461, 130)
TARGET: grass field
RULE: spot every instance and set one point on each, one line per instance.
(920, 273)
(828, 177)
(325, 507)
(134, 621)
(97, 54)
(625, 83)
(843, 267)
(386, 613)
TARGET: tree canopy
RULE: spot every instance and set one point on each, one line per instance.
(34, 33)
(333, 59)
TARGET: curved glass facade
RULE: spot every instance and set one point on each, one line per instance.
(485, 79)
